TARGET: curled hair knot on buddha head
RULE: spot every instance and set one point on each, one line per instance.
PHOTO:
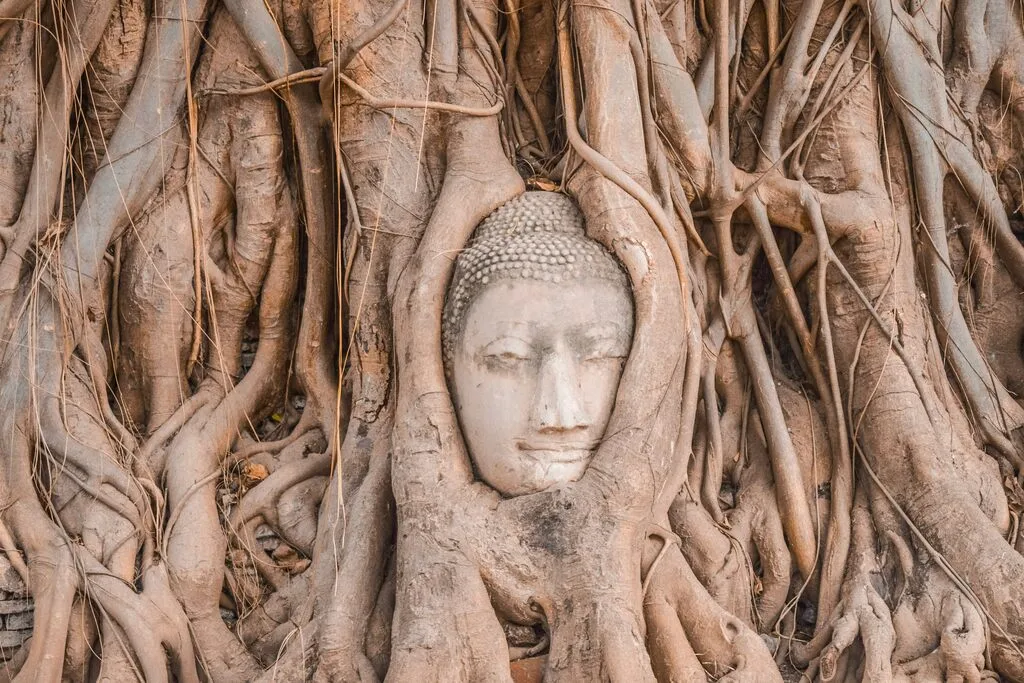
(536, 236)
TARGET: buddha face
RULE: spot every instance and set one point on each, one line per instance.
(534, 377)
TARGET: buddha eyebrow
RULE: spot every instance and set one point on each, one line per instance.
(504, 337)
(593, 330)
(504, 326)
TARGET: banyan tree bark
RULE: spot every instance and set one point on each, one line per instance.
(228, 449)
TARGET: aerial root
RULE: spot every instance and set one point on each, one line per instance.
(165, 623)
(97, 472)
(756, 521)
(960, 654)
(725, 646)
(357, 596)
(53, 589)
(265, 627)
(862, 613)
(53, 578)
(260, 505)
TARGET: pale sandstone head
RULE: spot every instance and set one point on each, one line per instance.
(536, 330)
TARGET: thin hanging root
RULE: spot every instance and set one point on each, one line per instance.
(311, 75)
(58, 100)
(317, 74)
(711, 484)
(196, 228)
(386, 103)
(838, 543)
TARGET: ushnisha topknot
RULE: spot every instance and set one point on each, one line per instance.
(536, 236)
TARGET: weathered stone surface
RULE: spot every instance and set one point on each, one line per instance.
(10, 580)
(13, 638)
(15, 606)
(19, 621)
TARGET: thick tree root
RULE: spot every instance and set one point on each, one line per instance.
(725, 647)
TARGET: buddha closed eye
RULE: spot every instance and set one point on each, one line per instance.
(537, 327)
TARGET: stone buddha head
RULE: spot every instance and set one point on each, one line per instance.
(537, 327)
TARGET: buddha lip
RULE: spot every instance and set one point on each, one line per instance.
(559, 456)
(559, 447)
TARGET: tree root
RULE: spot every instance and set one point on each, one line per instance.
(725, 647)
(259, 505)
(156, 606)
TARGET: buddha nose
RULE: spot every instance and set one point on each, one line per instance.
(559, 403)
